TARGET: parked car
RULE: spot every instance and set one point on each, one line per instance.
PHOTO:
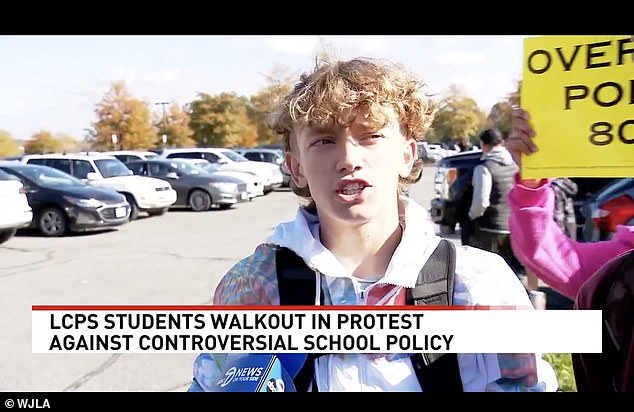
(452, 184)
(611, 206)
(144, 194)
(129, 155)
(15, 211)
(62, 203)
(195, 188)
(432, 152)
(270, 174)
(274, 156)
(268, 155)
(255, 187)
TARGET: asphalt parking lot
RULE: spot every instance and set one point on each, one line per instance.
(173, 259)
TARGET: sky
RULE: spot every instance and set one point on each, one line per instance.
(53, 83)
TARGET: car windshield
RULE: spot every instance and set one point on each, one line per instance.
(236, 157)
(112, 167)
(207, 166)
(49, 177)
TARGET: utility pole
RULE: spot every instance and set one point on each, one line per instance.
(164, 115)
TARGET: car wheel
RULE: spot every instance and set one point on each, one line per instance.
(7, 234)
(52, 222)
(447, 230)
(157, 212)
(199, 200)
(134, 208)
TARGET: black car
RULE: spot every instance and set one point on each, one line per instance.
(62, 203)
(195, 188)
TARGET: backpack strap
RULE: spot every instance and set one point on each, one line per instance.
(436, 372)
(296, 282)
(435, 282)
(296, 285)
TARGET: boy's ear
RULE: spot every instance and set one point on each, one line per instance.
(410, 152)
(294, 167)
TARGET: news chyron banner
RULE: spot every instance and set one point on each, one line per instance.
(320, 329)
(579, 91)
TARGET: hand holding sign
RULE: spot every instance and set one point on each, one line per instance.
(520, 142)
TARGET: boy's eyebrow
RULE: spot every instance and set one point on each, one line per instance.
(311, 130)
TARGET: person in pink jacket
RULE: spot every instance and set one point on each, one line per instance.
(538, 242)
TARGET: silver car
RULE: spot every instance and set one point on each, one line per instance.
(195, 189)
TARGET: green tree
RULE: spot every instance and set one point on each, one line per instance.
(8, 146)
(175, 125)
(500, 117)
(215, 120)
(458, 118)
(68, 143)
(43, 142)
(124, 116)
(249, 135)
(501, 114)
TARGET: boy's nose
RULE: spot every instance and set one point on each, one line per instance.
(350, 155)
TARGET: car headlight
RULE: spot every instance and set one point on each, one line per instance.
(225, 186)
(92, 203)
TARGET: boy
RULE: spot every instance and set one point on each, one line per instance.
(349, 130)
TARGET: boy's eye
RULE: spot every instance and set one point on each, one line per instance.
(322, 141)
(372, 137)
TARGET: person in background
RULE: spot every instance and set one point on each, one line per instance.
(489, 211)
(537, 240)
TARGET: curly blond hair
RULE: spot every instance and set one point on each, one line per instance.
(334, 88)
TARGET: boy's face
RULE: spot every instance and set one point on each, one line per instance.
(353, 171)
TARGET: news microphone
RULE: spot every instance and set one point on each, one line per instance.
(259, 372)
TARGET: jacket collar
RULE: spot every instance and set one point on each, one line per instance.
(417, 243)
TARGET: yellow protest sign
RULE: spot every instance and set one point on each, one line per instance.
(579, 91)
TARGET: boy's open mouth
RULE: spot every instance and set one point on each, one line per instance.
(350, 190)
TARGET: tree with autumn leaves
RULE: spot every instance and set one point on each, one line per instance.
(8, 146)
(230, 120)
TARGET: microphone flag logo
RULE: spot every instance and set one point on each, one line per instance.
(254, 372)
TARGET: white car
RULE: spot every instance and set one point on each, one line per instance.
(15, 212)
(270, 174)
(254, 184)
(145, 194)
(130, 155)
(263, 154)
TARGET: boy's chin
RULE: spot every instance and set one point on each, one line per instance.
(354, 213)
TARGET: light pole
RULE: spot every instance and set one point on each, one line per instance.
(164, 119)
(115, 139)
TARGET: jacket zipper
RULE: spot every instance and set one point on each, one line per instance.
(362, 296)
